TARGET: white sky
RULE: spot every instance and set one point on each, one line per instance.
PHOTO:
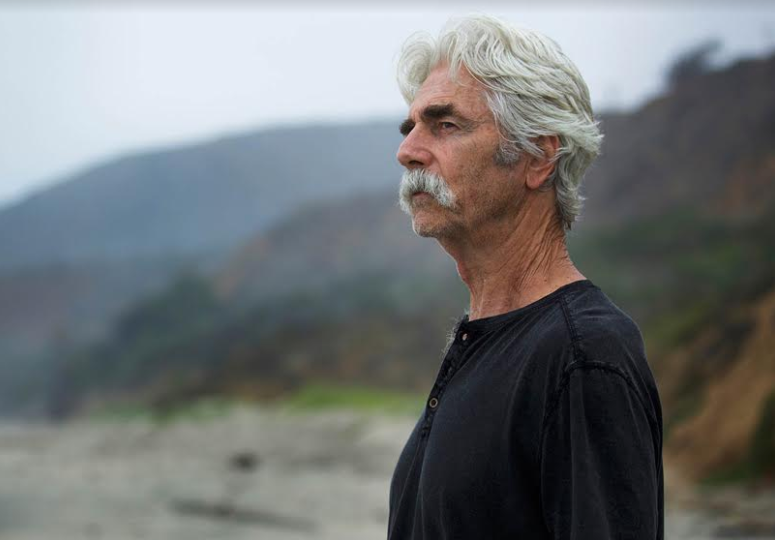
(81, 83)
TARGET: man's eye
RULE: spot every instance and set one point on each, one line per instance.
(447, 126)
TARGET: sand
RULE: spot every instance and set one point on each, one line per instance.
(253, 473)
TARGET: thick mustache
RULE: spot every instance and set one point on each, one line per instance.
(421, 181)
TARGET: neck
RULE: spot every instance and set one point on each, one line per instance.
(508, 267)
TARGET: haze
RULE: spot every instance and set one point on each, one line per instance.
(81, 84)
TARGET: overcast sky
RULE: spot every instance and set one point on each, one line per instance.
(80, 83)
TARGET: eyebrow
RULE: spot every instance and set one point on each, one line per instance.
(435, 112)
(406, 126)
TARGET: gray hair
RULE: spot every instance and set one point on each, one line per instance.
(531, 87)
(419, 180)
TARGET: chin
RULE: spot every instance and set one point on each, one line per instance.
(426, 229)
(423, 232)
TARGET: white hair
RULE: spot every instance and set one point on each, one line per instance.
(419, 180)
(531, 87)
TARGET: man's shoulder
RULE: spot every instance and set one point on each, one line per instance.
(596, 321)
(575, 324)
(582, 317)
(605, 337)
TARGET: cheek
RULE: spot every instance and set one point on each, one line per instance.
(468, 160)
(473, 176)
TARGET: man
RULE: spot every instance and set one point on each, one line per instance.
(544, 420)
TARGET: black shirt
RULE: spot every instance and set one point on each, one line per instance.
(544, 422)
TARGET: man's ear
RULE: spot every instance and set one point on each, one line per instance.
(539, 169)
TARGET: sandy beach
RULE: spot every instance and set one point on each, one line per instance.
(250, 473)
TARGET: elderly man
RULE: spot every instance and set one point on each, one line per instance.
(544, 420)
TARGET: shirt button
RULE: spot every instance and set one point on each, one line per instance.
(433, 403)
(464, 336)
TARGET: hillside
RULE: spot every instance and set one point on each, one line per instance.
(328, 242)
(709, 144)
(194, 199)
(723, 384)
(76, 254)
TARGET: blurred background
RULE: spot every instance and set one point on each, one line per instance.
(215, 322)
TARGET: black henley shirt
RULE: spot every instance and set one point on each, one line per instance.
(543, 422)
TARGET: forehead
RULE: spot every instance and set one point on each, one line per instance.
(465, 93)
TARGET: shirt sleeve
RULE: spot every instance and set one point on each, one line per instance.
(600, 460)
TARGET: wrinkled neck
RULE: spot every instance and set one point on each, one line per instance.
(508, 266)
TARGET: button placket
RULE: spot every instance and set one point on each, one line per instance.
(446, 371)
(450, 365)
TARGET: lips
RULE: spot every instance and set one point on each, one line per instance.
(421, 198)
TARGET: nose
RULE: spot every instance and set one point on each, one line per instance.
(413, 153)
